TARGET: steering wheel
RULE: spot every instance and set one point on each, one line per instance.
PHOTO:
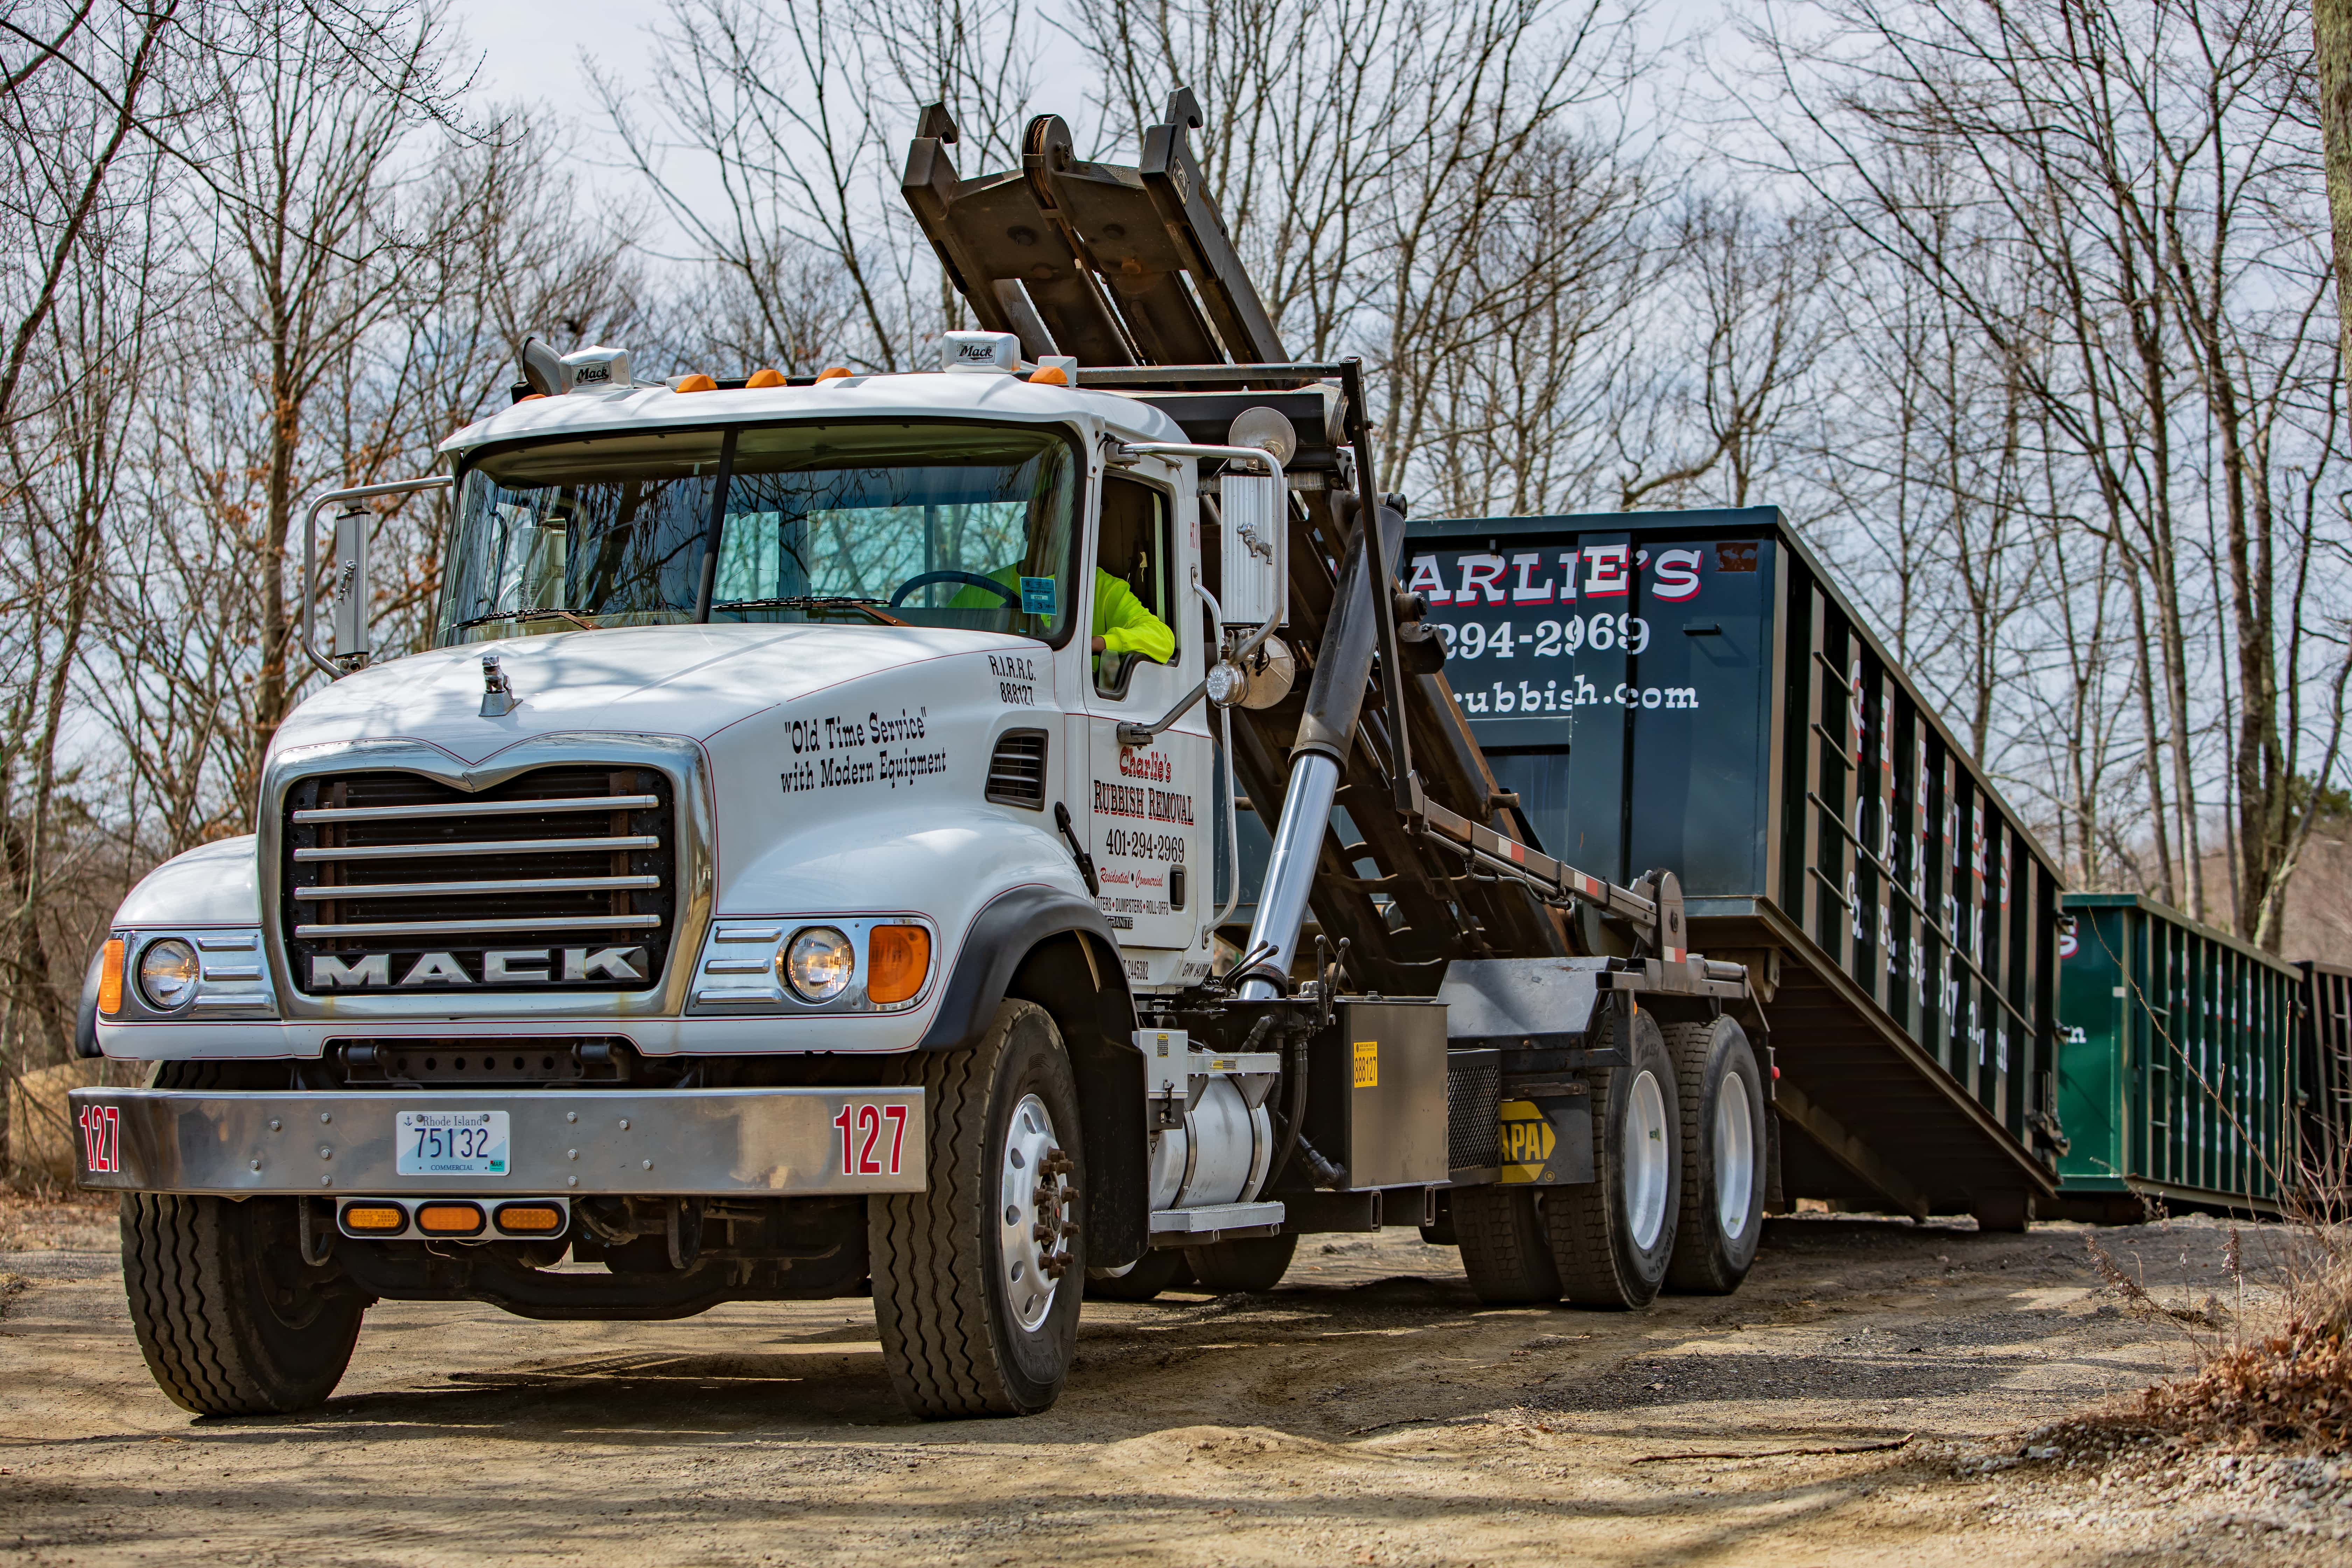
(898, 594)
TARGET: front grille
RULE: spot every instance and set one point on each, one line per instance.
(561, 879)
(1017, 771)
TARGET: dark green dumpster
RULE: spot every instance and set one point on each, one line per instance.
(2323, 1083)
(2175, 1078)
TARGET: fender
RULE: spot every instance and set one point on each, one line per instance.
(1045, 943)
(86, 1019)
(1001, 935)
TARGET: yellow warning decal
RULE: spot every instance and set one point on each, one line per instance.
(1526, 1139)
(1368, 1064)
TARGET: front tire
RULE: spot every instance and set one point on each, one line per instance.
(1722, 1116)
(231, 1320)
(977, 1278)
(1612, 1237)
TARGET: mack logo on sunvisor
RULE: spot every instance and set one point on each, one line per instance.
(477, 967)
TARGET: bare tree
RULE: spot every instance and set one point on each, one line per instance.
(2148, 170)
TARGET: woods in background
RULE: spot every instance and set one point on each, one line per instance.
(2024, 314)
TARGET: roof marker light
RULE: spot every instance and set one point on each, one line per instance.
(764, 377)
(695, 383)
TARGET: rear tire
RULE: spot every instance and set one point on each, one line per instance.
(1611, 1237)
(1505, 1249)
(231, 1320)
(1256, 1263)
(1722, 1117)
(978, 1313)
(1153, 1272)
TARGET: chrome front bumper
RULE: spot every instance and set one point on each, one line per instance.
(773, 1142)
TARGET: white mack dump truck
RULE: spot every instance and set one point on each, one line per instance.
(791, 872)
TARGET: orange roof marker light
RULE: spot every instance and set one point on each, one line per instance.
(833, 373)
(1056, 370)
(765, 376)
(695, 382)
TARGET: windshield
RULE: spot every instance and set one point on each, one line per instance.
(862, 524)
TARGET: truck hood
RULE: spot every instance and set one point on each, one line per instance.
(688, 681)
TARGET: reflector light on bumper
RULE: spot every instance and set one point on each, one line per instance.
(453, 1220)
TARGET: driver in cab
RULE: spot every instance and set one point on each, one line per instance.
(1123, 623)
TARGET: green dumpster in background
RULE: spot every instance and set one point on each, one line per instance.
(2175, 1076)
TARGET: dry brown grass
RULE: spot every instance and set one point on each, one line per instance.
(2286, 1381)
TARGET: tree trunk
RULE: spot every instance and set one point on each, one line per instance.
(2331, 29)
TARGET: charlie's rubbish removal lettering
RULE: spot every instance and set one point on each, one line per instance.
(1554, 604)
(1552, 697)
(835, 751)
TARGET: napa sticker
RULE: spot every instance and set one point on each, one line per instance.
(1531, 1146)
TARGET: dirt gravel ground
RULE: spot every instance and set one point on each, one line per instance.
(1369, 1411)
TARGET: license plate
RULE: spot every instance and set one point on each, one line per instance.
(451, 1143)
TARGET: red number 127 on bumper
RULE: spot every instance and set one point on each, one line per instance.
(873, 1138)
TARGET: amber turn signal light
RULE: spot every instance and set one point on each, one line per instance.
(896, 959)
(530, 1219)
(109, 977)
(449, 1219)
(374, 1218)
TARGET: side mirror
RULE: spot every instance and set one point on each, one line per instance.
(349, 585)
(348, 608)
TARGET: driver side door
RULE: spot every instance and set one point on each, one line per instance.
(1148, 809)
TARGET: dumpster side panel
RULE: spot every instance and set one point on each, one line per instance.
(1689, 689)
(2324, 1075)
(2097, 1072)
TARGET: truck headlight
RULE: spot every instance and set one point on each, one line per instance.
(168, 973)
(818, 964)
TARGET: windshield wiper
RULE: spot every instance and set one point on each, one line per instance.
(536, 613)
(813, 602)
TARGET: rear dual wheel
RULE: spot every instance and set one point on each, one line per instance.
(1604, 1243)
(1722, 1117)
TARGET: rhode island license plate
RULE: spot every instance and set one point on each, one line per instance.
(451, 1143)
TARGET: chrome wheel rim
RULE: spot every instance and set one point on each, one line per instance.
(1735, 1156)
(1647, 1147)
(1034, 1203)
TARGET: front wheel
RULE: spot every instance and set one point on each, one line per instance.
(1722, 1116)
(230, 1318)
(1612, 1237)
(977, 1277)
